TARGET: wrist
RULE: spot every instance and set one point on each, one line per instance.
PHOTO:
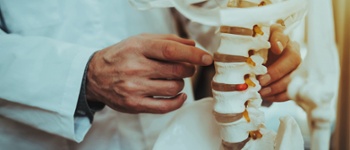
(89, 76)
(87, 105)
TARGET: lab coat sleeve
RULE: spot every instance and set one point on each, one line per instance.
(40, 81)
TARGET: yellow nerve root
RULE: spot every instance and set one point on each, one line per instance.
(250, 62)
(257, 30)
(255, 134)
(245, 113)
(231, 3)
(281, 22)
(249, 81)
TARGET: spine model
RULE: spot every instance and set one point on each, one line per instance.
(238, 60)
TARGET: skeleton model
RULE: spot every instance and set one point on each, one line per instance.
(238, 60)
(243, 49)
(314, 84)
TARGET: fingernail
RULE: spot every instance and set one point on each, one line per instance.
(184, 96)
(206, 59)
(265, 91)
(264, 79)
(280, 46)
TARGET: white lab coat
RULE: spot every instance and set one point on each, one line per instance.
(42, 62)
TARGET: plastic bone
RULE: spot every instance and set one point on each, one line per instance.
(248, 128)
(193, 127)
(314, 84)
(248, 132)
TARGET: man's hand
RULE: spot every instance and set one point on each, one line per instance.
(127, 75)
(284, 57)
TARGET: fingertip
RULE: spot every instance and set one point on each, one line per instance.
(207, 59)
(178, 101)
(173, 103)
(264, 79)
(265, 91)
(184, 96)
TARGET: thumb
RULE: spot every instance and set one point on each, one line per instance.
(278, 39)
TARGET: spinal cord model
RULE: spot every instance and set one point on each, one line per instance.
(235, 120)
(238, 60)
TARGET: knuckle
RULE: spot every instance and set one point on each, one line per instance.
(131, 71)
(130, 103)
(131, 44)
(171, 91)
(188, 71)
(175, 87)
(116, 89)
(134, 43)
(182, 70)
(177, 71)
(278, 73)
(169, 51)
(128, 87)
(191, 70)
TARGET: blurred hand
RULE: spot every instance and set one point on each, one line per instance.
(127, 75)
(284, 57)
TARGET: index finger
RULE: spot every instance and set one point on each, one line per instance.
(173, 51)
(171, 37)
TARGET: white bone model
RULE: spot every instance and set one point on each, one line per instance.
(238, 122)
(314, 84)
(243, 49)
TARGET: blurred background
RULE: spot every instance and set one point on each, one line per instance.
(341, 136)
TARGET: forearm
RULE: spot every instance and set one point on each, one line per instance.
(40, 82)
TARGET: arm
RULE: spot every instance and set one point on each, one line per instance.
(40, 81)
(144, 73)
